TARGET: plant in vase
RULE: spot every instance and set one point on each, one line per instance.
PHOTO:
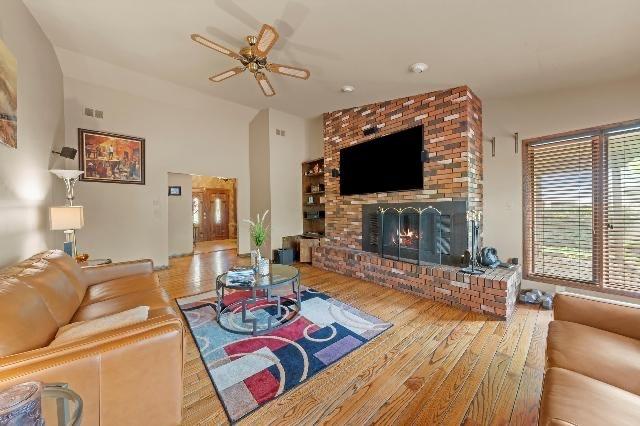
(258, 232)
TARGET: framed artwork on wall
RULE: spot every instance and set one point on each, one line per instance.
(175, 191)
(108, 157)
(8, 97)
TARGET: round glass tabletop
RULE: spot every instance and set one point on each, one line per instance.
(278, 274)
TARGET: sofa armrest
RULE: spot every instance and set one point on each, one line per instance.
(101, 273)
(609, 315)
(114, 372)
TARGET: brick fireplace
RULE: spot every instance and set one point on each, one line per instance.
(452, 127)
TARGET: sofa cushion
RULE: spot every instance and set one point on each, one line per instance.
(71, 269)
(599, 354)
(120, 287)
(25, 320)
(155, 299)
(569, 397)
(82, 329)
(54, 287)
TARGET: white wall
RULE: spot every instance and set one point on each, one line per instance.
(180, 216)
(185, 131)
(538, 115)
(276, 169)
(260, 165)
(25, 182)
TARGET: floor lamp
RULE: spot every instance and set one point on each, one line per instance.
(68, 218)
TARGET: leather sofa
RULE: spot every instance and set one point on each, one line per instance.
(592, 363)
(128, 376)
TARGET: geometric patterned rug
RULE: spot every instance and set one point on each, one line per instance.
(249, 371)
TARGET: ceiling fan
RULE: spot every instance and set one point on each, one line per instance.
(254, 58)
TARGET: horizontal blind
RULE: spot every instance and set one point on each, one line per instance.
(621, 240)
(560, 211)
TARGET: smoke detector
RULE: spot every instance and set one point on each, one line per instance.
(418, 67)
(347, 89)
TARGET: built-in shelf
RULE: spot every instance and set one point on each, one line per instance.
(313, 190)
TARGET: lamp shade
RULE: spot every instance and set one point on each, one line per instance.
(65, 218)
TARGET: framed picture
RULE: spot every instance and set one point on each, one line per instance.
(8, 97)
(175, 191)
(111, 158)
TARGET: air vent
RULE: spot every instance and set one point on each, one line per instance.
(99, 114)
(88, 112)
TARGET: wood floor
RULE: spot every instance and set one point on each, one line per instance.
(214, 245)
(436, 365)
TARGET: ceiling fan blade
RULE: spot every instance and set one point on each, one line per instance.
(289, 71)
(215, 46)
(226, 74)
(264, 84)
(266, 40)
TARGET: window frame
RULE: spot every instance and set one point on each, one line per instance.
(599, 170)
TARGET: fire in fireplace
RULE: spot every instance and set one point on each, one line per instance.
(416, 232)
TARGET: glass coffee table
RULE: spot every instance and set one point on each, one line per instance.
(238, 316)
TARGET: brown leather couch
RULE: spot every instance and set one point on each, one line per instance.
(127, 376)
(593, 363)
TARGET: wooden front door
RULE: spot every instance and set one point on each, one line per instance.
(218, 217)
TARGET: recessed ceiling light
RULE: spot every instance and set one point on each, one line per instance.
(418, 67)
(347, 89)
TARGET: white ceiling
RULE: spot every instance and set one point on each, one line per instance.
(499, 48)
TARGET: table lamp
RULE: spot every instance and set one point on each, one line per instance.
(67, 219)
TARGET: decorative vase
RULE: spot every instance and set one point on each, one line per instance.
(263, 266)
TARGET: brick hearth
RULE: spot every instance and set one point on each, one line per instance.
(452, 121)
(493, 293)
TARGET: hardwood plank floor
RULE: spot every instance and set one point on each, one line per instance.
(436, 365)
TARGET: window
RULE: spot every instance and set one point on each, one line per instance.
(196, 211)
(218, 211)
(582, 208)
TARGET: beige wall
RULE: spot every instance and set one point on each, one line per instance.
(180, 216)
(538, 115)
(185, 131)
(25, 182)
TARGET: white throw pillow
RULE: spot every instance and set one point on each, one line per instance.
(78, 330)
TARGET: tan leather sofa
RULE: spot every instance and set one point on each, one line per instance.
(127, 376)
(593, 363)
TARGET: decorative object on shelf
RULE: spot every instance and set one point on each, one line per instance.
(254, 58)
(316, 169)
(8, 97)
(81, 258)
(258, 232)
(21, 404)
(67, 219)
(111, 158)
(175, 191)
(473, 217)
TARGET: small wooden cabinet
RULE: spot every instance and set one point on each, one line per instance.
(306, 248)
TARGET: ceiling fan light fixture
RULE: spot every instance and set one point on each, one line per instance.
(347, 89)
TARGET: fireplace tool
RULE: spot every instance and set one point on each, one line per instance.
(473, 217)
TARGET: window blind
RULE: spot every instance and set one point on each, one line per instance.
(559, 208)
(621, 210)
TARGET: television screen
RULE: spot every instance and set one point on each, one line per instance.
(388, 163)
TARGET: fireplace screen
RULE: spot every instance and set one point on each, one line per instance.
(411, 234)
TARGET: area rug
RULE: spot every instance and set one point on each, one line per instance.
(249, 371)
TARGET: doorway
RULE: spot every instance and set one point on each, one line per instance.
(214, 214)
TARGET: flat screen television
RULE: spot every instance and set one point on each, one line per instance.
(389, 163)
